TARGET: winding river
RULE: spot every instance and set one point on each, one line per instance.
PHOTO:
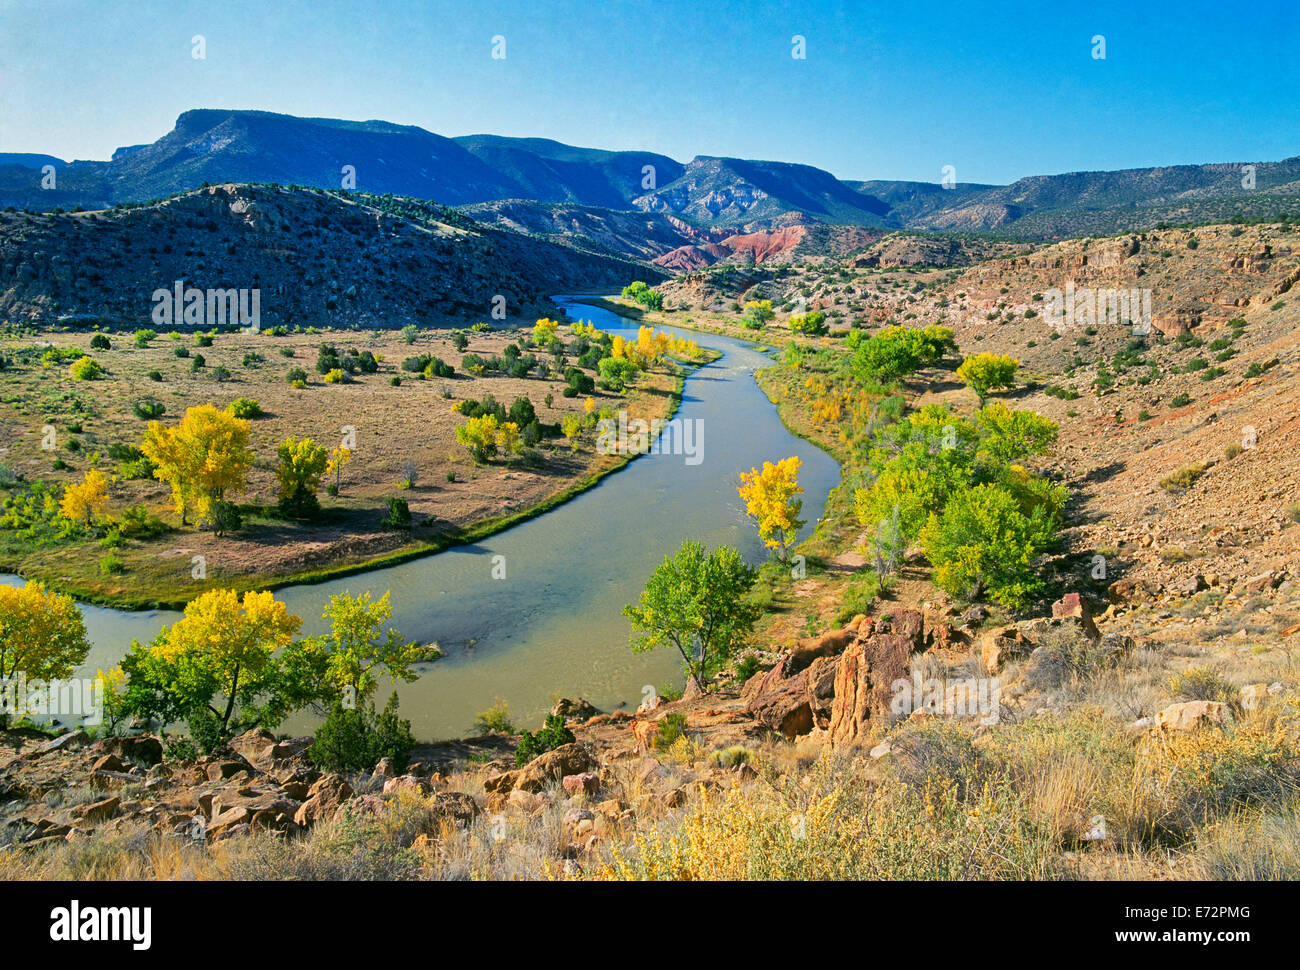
(553, 625)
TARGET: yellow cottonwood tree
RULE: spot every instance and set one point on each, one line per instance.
(202, 459)
(41, 634)
(225, 645)
(339, 459)
(86, 499)
(769, 496)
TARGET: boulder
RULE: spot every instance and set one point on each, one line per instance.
(1193, 715)
(140, 749)
(406, 783)
(567, 759)
(100, 811)
(222, 769)
(586, 783)
(323, 799)
(1001, 644)
(254, 745)
(1131, 590)
(1074, 606)
(65, 742)
(645, 732)
(1187, 585)
(579, 710)
(109, 762)
(1262, 582)
(454, 805)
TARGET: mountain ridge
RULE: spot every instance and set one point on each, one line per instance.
(710, 192)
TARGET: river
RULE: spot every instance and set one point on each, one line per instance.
(553, 625)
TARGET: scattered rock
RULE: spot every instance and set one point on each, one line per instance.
(1191, 715)
(1072, 605)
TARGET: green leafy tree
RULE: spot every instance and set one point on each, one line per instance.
(358, 647)
(696, 602)
(984, 373)
(1012, 435)
(302, 465)
(984, 541)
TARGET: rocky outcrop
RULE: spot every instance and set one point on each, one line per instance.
(865, 675)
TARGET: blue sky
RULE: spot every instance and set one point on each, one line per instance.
(887, 90)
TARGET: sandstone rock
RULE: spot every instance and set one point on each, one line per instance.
(570, 710)
(454, 805)
(385, 769)
(253, 745)
(865, 677)
(1253, 696)
(673, 799)
(221, 770)
(65, 742)
(223, 822)
(1001, 644)
(100, 811)
(820, 682)
(567, 759)
(110, 762)
(649, 773)
(1187, 586)
(1262, 582)
(1072, 605)
(140, 749)
(323, 799)
(782, 702)
(1131, 590)
(1191, 715)
(524, 801)
(645, 733)
(587, 783)
(406, 783)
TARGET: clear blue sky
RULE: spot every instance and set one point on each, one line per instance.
(888, 90)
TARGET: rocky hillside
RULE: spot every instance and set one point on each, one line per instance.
(317, 259)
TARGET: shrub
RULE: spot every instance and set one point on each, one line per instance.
(552, 735)
(296, 375)
(984, 373)
(100, 342)
(495, 720)
(155, 375)
(198, 363)
(181, 350)
(245, 407)
(985, 540)
(85, 369)
(1200, 683)
(353, 740)
(398, 515)
(149, 409)
(142, 337)
(334, 376)
(111, 564)
(1182, 479)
